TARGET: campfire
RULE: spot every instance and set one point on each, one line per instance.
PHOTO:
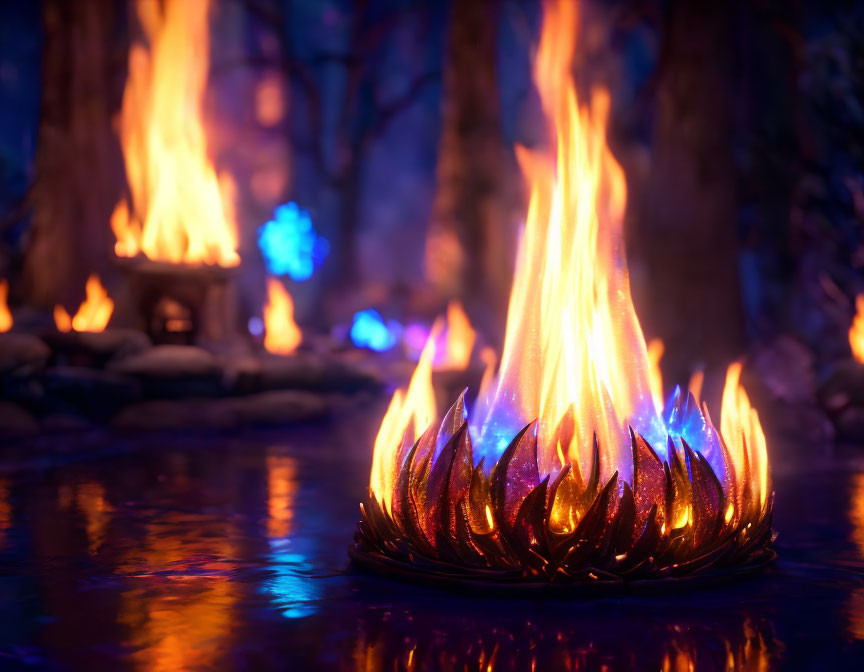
(176, 230)
(572, 467)
(181, 210)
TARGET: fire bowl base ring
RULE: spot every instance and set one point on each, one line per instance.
(505, 586)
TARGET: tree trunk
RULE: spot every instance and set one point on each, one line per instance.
(685, 210)
(468, 249)
(78, 162)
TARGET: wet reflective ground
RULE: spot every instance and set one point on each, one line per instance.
(226, 553)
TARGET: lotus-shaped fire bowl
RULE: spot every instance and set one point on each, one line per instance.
(448, 523)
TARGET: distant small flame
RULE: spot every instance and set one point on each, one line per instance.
(856, 331)
(458, 340)
(413, 408)
(282, 336)
(92, 315)
(5, 313)
(182, 211)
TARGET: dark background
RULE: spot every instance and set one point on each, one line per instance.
(738, 125)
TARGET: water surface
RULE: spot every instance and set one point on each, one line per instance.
(226, 553)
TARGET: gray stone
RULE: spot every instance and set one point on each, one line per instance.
(168, 361)
(280, 407)
(97, 348)
(301, 371)
(65, 423)
(174, 372)
(22, 352)
(176, 415)
(96, 393)
(116, 342)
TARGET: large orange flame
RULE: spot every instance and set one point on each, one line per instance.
(573, 344)
(282, 336)
(856, 331)
(92, 315)
(182, 211)
(5, 313)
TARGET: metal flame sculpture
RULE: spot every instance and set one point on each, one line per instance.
(570, 470)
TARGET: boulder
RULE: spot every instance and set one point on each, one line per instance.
(302, 370)
(280, 407)
(22, 353)
(176, 415)
(173, 372)
(97, 348)
(96, 393)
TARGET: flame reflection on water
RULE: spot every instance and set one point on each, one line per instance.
(290, 589)
(669, 644)
(855, 605)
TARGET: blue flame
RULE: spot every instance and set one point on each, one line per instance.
(290, 244)
(370, 331)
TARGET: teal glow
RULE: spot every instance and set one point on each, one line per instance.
(290, 244)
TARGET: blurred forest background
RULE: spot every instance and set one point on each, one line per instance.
(740, 126)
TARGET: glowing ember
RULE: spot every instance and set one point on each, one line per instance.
(182, 211)
(92, 315)
(856, 331)
(5, 313)
(281, 333)
(572, 469)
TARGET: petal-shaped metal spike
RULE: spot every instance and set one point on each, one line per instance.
(447, 518)
(453, 420)
(437, 487)
(514, 476)
(649, 480)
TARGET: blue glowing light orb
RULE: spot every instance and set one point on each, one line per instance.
(370, 331)
(290, 244)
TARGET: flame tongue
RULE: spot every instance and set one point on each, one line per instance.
(181, 210)
(93, 315)
(282, 336)
(572, 339)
